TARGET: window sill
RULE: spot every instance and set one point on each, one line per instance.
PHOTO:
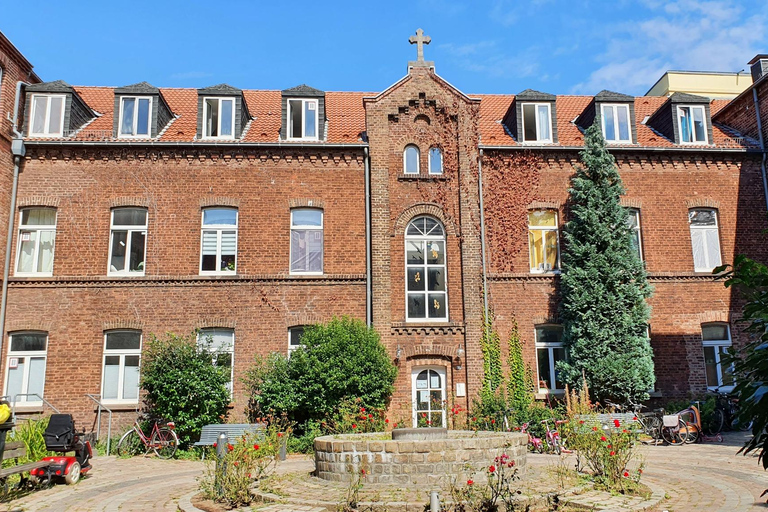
(217, 274)
(306, 274)
(119, 406)
(542, 395)
(28, 409)
(33, 274)
(127, 274)
(545, 272)
(422, 177)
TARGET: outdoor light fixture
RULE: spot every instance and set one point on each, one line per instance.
(459, 356)
(398, 353)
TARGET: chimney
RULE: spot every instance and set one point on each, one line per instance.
(759, 66)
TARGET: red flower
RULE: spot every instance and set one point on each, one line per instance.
(626, 474)
(470, 482)
(609, 446)
(474, 419)
(640, 471)
(230, 447)
(492, 469)
(602, 438)
(354, 425)
(279, 434)
(634, 418)
(612, 454)
(616, 423)
(362, 471)
(362, 409)
(581, 422)
(493, 421)
(249, 475)
(625, 431)
(386, 420)
(236, 463)
(511, 464)
(394, 426)
(215, 444)
(255, 447)
(370, 416)
(594, 428)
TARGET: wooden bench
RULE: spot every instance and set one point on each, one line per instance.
(17, 450)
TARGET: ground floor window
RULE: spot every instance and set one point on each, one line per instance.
(549, 350)
(428, 397)
(716, 339)
(122, 354)
(25, 377)
(222, 343)
(294, 338)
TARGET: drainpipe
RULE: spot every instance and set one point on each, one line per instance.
(18, 150)
(368, 268)
(762, 143)
(482, 234)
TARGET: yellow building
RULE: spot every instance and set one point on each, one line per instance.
(710, 84)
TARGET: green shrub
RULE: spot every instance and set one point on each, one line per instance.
(183, 384)
(30, 433)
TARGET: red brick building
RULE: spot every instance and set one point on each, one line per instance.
(250, 213)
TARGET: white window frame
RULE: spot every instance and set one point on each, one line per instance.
(440, 370)
(121, 372)
(129, 229)
(615, 107)
(717, 345)
(304, 102)
(135, 126)
(637, 229)
(429, 157)
(218, 228)
(550, 347)
(405, 160)
(426, 239)
(25, 378)
(692, 130)
(716, 228)
(38, 228)
(307, 228)
(556, 229)
(219, 99)
(46, 129)
(204, 333)
(536, 112)
(291, 330)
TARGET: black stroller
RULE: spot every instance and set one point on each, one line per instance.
(60, 436)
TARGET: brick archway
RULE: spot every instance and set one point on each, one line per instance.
(430, 209)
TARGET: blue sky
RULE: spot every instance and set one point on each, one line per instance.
(501, 46)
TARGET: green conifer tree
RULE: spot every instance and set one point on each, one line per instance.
(603, 285)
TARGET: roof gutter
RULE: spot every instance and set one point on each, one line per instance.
(368, 248)
(482, 235)
(762, 144)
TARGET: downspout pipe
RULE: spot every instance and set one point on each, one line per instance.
(482, 234)
(368, 248)
(762, 144)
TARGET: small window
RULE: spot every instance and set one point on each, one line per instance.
(135, 115)
(122, 354)
(411, 157)
(705, 239)
(616, 127)
(633, 223)
(426, 288)
(219, 241)
(221, 342)
(537, 122)
(37, 234)
(693, 126)
(306, 241)
(294, 338)
(716, 340)
(127, 245)
(219, 118)
(302, 119)
(549, 350)
(25, 378)
(435, 161)
(47, 115)
(543, 241)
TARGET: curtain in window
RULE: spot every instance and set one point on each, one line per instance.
(27, 251)
(544, 122)
(131, 378)
(40, 107)
(45, 258)
(685, 126)
(54, 124)
(706, 248)
(111, 377)
(128, 106)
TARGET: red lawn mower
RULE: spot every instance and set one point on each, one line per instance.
(60, 436)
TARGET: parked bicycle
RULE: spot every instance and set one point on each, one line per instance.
(162, 440)
(726, 414)
(535, 444)
(554, 441)
(650, 423)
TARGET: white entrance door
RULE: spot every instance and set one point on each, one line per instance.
(428, 385)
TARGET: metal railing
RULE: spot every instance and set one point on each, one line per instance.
(40, 398)
(97, 400)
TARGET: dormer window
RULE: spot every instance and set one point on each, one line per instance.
(692, 124)
(302, 119)
(537, 122)
(615, 119)
(218, 118)
(47, 115)
(135, 116)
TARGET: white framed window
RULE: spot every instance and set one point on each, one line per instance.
(705, 239)
(218, 241)
(135, 116)
(37, 236)
(47, 115)
(543, 240)
(435, 161)
(426, 293)
(306, 241)
(549, 350)
(221, 342)
(120, 374)
(716, 340)
(302, 119)
(633, 223)
(411, 159)
(616, 123)
(428, 385)
(25, 375)
(692, 124)
(537, 122)
(294, 338)
(218, 118)
(127, 241)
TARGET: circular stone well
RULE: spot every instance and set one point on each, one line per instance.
(417, 456)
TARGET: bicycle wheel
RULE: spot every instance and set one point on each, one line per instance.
(130, 444)
(688, 431)
(556, 445)
(164, 442)
(652, 427)
(713, 423)
(672, 436)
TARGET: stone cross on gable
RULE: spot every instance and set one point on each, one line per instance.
(420, 40)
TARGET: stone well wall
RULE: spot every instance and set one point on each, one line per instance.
(419, 462)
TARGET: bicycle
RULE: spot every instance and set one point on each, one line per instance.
(162, 440)
(726, 413)
(650, 422)
(674, 430)
(535, 444)
(554, 441)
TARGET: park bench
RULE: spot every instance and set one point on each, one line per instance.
(210, 433)
(607, 419)
(17, 450)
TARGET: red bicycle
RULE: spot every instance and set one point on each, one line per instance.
(162, 440)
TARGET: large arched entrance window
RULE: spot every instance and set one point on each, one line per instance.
(426, 291)
(428, 397)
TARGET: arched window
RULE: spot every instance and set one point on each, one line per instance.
(435, 161)
(705, 239)
(428, 397)
(543, 241)
(411, 160)
(426, 295)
